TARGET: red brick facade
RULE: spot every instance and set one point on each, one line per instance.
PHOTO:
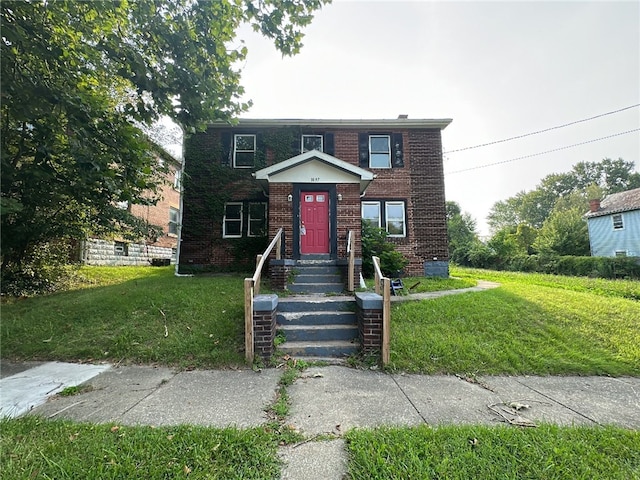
(415, 181)
(160, 213)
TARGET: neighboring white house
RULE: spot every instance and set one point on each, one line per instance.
(614, 225)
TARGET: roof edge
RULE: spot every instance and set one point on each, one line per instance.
(440, 123)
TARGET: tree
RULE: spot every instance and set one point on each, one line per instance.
(534, 208)
(76, 76)
(461, 231)
(565, 232)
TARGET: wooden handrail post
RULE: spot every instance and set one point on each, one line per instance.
(256, 287)
(248, 320)
(377, 276)
(386, 319)
(352, 266)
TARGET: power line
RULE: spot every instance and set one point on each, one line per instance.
(542, 153)
(542, 131)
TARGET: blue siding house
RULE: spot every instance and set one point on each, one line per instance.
(614, 225)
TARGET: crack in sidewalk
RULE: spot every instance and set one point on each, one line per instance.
(559, 403)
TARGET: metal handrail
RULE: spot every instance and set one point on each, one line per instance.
(383, 283)
(252, 287)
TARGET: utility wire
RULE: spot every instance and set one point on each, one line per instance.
(542, 131)
(542, 153)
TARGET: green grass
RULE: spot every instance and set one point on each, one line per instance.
(422, 284)
(120, 315)
(531, 324)
(454, 452)
(35, 448)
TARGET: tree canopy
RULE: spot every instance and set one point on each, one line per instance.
(534, 208)
(77, 76)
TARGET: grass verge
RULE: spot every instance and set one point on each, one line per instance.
(36, 448)
(456, 452)
(131, 315)
(532, 324)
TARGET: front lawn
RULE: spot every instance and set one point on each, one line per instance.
(547, 452)
(531, 324)
(36, 448)
(131, 315)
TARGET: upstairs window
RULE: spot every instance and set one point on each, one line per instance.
(257, 221)
(232, 222)
(379, 151)
(244, 151)
(618, 224)
(173, 221)
(177, 179)
(311, 142)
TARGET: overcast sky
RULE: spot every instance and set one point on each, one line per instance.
(498, 69)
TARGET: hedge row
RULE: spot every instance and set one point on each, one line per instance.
(600, 267)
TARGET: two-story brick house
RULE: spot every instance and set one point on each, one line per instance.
(316, 179)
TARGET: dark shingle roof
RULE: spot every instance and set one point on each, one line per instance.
(618, 202)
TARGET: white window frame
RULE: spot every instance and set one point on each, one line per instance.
(236, 150)
(620, 253)
(302, 150)
(372, 204)
(177, 179)
(174, 216)
(251, 220)
(617, 225)
(225, 220)
(379, 152)
(404, 218)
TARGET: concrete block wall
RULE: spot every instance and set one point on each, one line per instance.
(103, 252)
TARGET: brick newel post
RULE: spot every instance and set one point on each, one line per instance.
(264, 325)
(369, 311)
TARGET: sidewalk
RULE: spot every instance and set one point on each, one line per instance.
(332, 400)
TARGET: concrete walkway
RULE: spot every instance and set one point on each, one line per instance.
(326, 402)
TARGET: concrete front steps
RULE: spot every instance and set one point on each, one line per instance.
(316, 275)
(319, 322)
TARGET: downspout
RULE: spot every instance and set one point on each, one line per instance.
(181, 209)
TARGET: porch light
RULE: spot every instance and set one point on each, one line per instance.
(290, 198)
(339, 197)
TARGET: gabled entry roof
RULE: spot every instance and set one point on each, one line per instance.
(314, 167)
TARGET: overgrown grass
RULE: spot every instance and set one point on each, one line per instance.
(131, 314)
(532, 324)
(455, 452)
(36, 448)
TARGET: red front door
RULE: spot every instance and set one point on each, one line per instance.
(314, 222)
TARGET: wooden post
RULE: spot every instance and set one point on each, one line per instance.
(279, 247)
(351, 269)
(248, 320)
(386, 319)
(256, 287)
(376, 263)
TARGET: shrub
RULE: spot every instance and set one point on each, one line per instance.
(374, 243)
(46, 269)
